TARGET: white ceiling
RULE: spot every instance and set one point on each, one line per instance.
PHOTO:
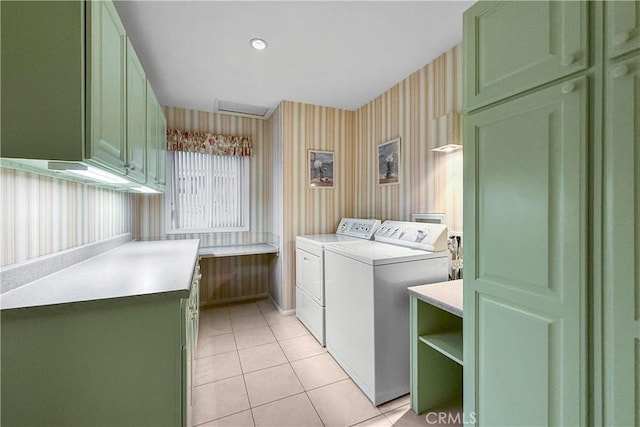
(334, 53)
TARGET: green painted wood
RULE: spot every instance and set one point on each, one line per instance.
(512, 46)
(103, 363)
(162, 148)
(107, 81)
(525, 172)
(623, 27)
(436, 377)
(447, 343)
(153, 162)
(621, 244)
(42, 80)
(156, 142)
(136, 117)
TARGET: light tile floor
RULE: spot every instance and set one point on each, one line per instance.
(255, 367)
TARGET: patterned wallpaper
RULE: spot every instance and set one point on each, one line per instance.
(312, 210)
(69, 214)
(429, 181)
(223, 279)
(42, 215)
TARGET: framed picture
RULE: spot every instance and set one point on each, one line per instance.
(320, 169)
(389, 162)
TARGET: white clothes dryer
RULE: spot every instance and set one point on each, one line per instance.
(310, 294)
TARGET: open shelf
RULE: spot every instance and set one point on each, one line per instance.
(447, 343)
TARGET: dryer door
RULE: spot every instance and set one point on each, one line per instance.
(309, 275)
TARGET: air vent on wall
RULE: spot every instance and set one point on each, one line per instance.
(226, 107)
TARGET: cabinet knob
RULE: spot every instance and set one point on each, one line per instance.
(568, 87)
(620, 38)
(568, 59)
(619, 71)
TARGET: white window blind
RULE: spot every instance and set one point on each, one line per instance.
(209, 193)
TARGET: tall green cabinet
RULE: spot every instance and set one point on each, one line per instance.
(551, 199)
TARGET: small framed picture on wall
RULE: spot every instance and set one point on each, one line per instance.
(320, 169)
(389, 162)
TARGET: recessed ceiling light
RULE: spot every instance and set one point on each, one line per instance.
(258, 44)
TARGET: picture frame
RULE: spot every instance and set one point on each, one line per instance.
(388, 160)
(320, 165)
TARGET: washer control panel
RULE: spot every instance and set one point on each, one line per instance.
(419, 235)
(362, 228)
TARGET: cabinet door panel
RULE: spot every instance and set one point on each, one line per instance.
(152, 137)
(621, 267)
(108, 87)
(513, 46)
(525, 219)
(623, 27)
(136, 120)
(162, 148)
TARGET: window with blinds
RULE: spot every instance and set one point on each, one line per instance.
(208, 193)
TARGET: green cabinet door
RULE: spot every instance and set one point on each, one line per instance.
(136, 117)
(106, 144)
(525, 252)
(156, 142)
(623, 27)
(162, 147)
(513, 46)
(621, 245)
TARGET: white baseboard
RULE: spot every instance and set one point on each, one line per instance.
(280, 310)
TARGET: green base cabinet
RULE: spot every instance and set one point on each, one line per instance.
(116, 363)
(436, 357)
(552, 213)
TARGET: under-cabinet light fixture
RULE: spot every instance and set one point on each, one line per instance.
(88, 172)
(258, 43)
(144, 189)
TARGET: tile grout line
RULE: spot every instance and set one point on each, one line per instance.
(298, 378)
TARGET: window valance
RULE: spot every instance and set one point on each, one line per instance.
(208, 143)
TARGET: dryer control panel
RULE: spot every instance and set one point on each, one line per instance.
(354, 227)
(428, 237)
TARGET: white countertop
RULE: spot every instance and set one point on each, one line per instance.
(132, 269)
(445, 295)
(237, 250)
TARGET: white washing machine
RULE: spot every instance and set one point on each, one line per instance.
(310, 300)
(367, 306)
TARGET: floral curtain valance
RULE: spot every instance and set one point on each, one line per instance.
(208, 143)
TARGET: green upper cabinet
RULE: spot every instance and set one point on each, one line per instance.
(136, 117)
(623, 27)
(108, 96)
(156, 142)
(162, 147)
(73, 90)
(513, 46)
(526, 247)
(43, 80)
(621, 246)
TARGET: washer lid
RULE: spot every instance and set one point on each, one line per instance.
(321, 240)
(376, 253)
